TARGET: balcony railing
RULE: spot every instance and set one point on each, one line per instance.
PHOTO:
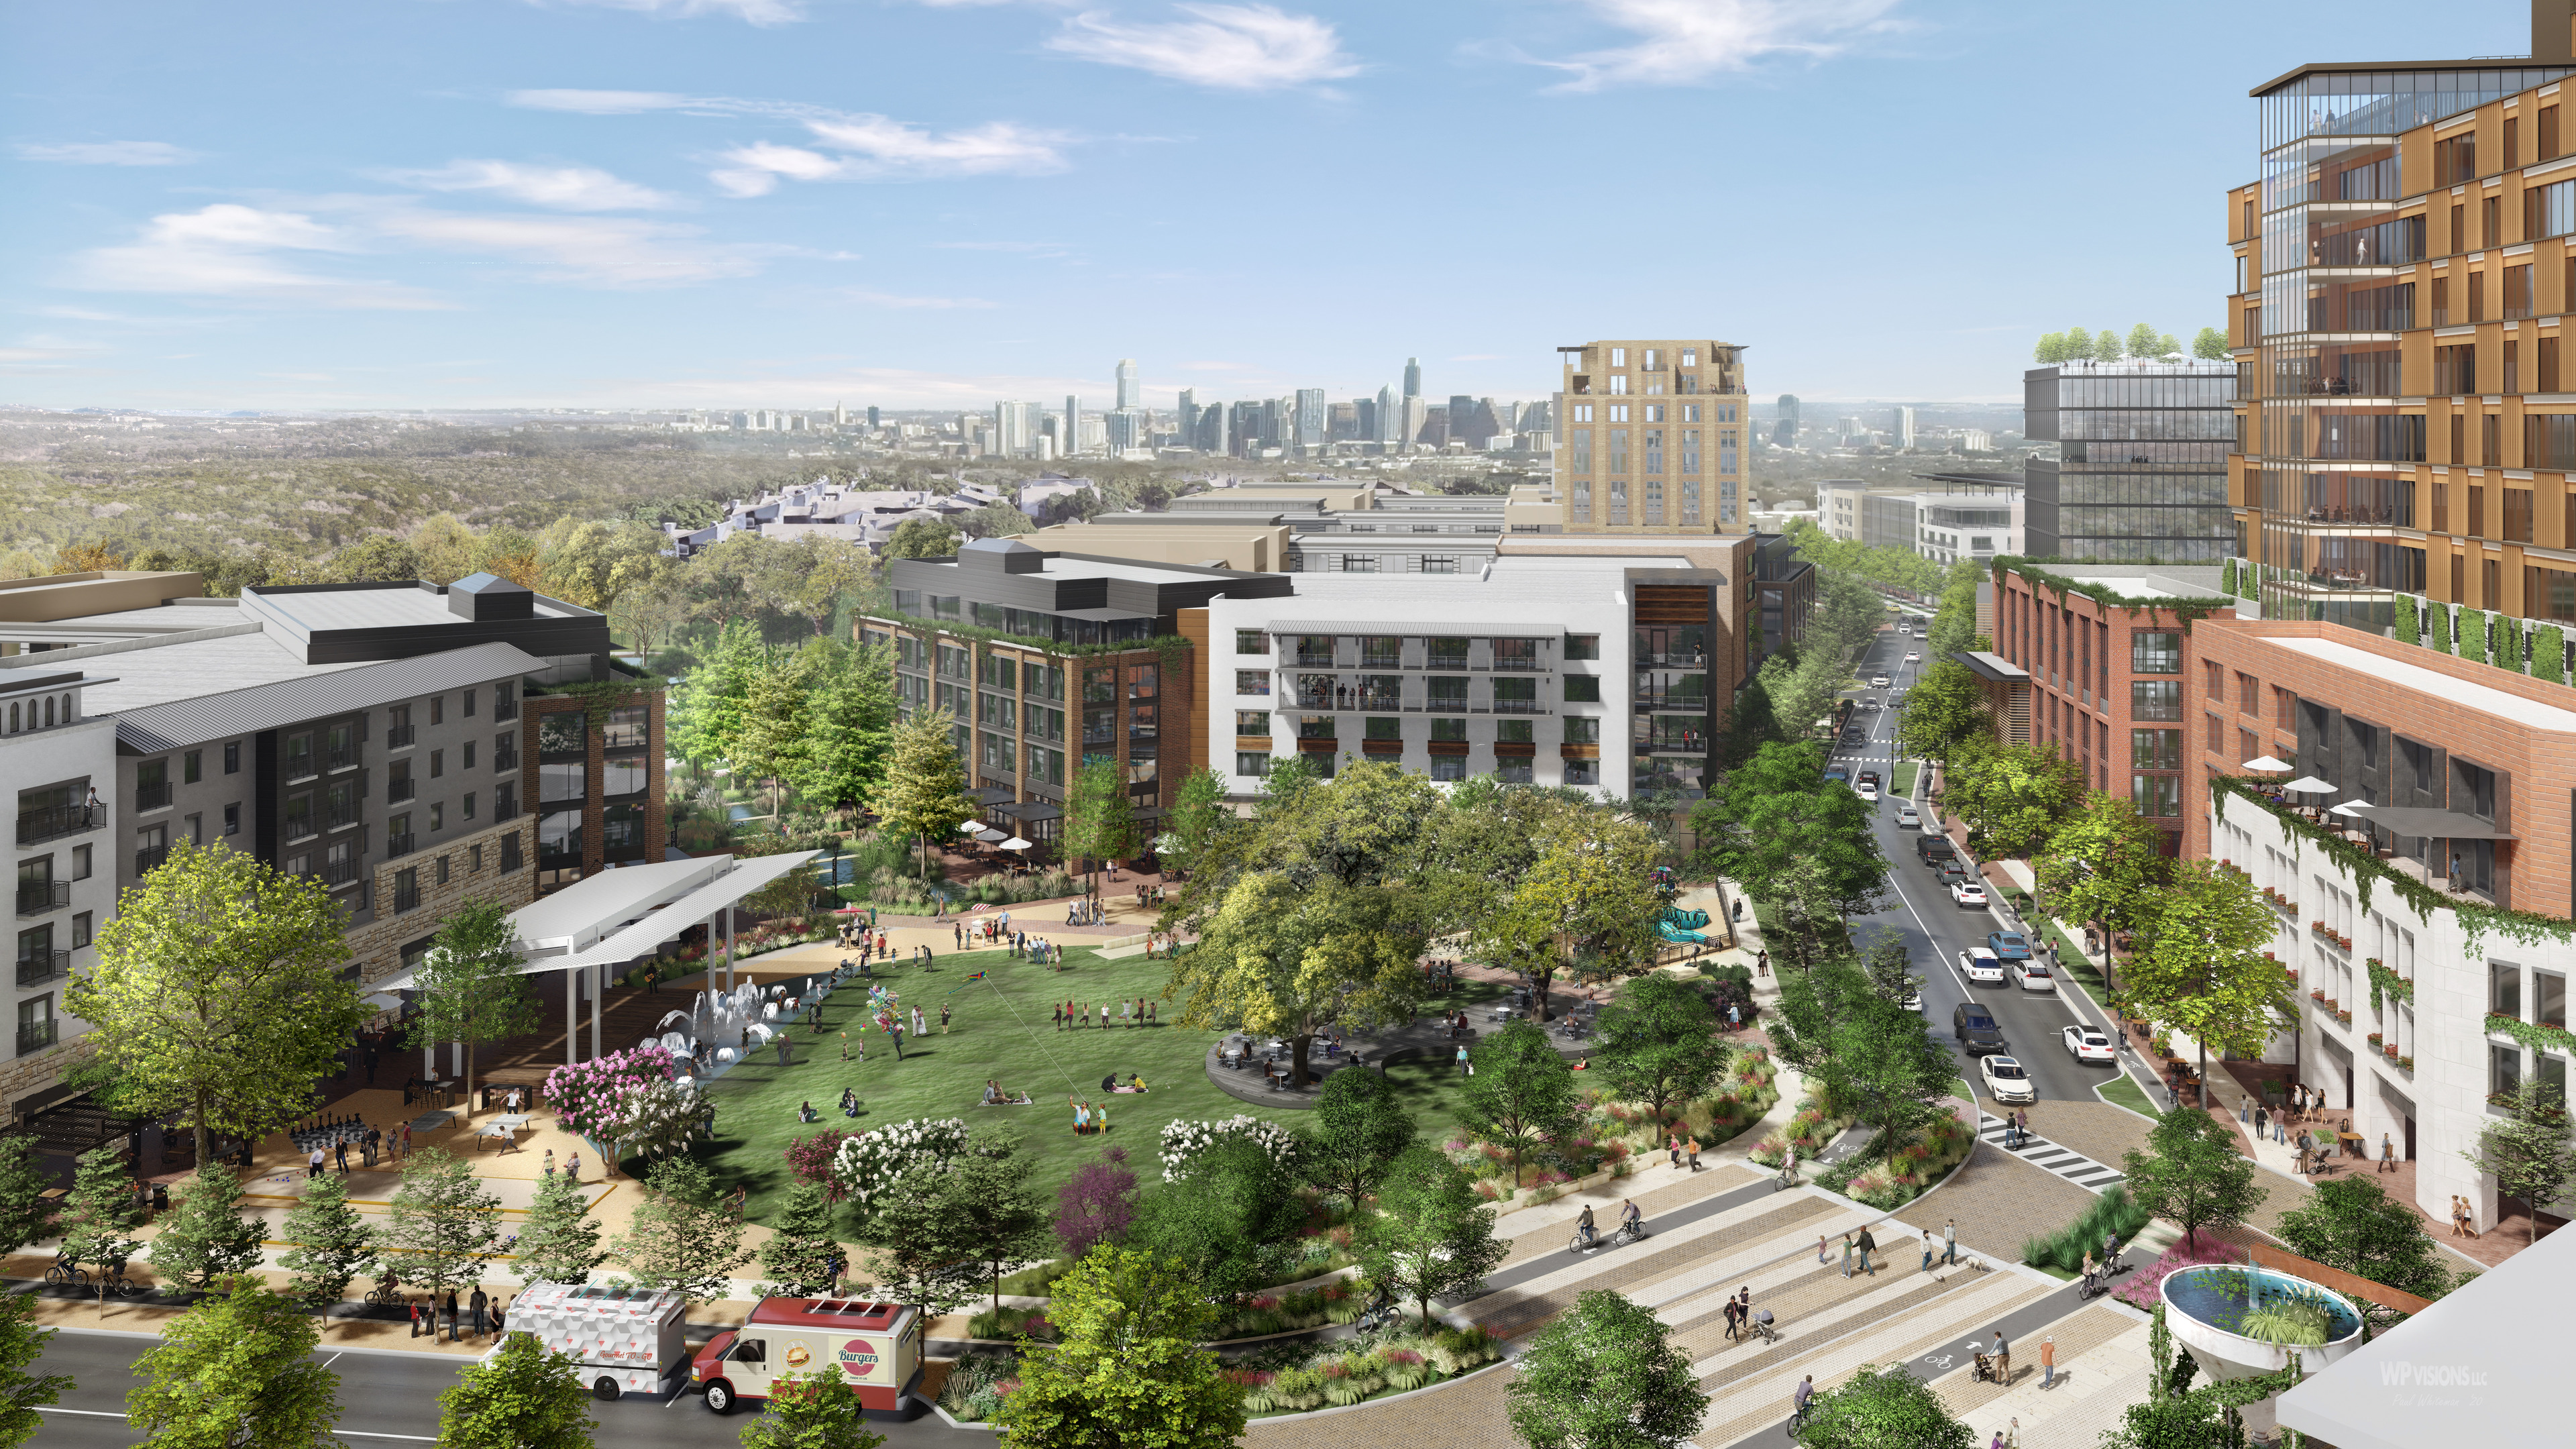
(1523, 666)
(53, 822)
(397, 791)
(300, 827)
(505, 808)
(149, 858)
(35, 1036)
(406, 898)
(1311, 658)
(1381, 659)
(340, 759)
(36, 897)
(340, 819)
(1322, 731)
(303, 766)
(398, 737)
(337, 872)
(1445, 661)
(153, 796)
(397, 845)
(1519, 706)
(505, 760)
(35, 968)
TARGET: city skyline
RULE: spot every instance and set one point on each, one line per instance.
(667, 205)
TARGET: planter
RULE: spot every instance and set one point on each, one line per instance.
(2343, 1018)
(2374, 1041)
(2316, 993)
(2391, 1051)
(2406, 1064)
(2203, 1306)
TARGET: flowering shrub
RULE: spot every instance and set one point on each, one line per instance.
(870, 1162)
(659, 1117)
(1184, 1141)
(586, 1096)
(2144, 1288)
(1096, 1206)
(810, 1159)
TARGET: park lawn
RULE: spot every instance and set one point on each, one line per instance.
(1002, 1030)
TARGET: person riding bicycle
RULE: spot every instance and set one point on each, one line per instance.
(2089, 1269)
(1630, 1217)
(387, 1284)
(1803, 1400)
(1583, 1226)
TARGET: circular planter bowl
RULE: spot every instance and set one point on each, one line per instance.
(2203, 1302)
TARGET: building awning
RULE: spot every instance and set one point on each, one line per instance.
(1993, 666)
(989, 796)
(1028, 810)
(2431, 824)
(2486, 1365)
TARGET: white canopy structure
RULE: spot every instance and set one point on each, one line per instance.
(607, 920)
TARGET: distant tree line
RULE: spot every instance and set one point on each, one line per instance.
(2143, 344)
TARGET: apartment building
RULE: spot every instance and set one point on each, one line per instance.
(2102, 678)
(2402, 269)
(1047, 662)
(1653, 437)
(56, 756)
(385, 740)
(2141, 469)
(2452, 789)
(1601, 663)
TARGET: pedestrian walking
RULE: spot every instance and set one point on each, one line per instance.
(415, 1318)
(1847, 1254)
(313, 1164)
(2048, 1362)
(451, 1315)
(1820, 1247)
(1730, 1320)
(481, 1304)
(572, 1167)
(2262, 1122)
(340, 1151)
(1673, 1149)
(1950, 1243)
(2387, 1155)
(1867, 1245)
(1927, 1254)
(2003, 1357)
(1690, 1146)
(1059, 1016)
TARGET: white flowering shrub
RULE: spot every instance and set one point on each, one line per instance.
(1184, 1141)
(658, 1117)
(870, 1162)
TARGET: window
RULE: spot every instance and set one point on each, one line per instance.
(1513, 731)
(2216, 680)
(1583, 731)
(2504, 989)
(437, 816)
(2248, 695)
(567, 733)
(438, 709)
(2155, 651)
(1447, 691)
(1255, 763)
(469, 704)
(1583, 772)
(440, 875)
(192, 767)
(2285, 708)
(437, 763)
(2548, 998)
(1251, 641)
(1583, 689)
(407, 889)
(2504, 1069)
(473, 859)
(232, 757)
(1252, 721)
(1252, 681)
(1582, 646)
(1453, 730)
(2155, 699)
(80, 862)
(1514, 770)
(2155, 749)
(1438, 563)
(2217, 736)
(1382, 727)
(1359, 563)
(81, 925)
(562, 782)
(466, 810)
(2156, 795)
(232, 820)
(1448, 769)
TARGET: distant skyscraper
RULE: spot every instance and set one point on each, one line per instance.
(872, 418)
(1015, 428)
(840, 415)
(1310, 417)
(1904, 429)
(1068, 438)
(1128, 396)
(1417, 417)
(1785, 431)
(1189, 417)
(1413, 377)
(1389, 420)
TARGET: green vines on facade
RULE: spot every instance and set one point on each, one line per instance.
(1172, 649)
(2106, 593)
(599, 696)
(2477, 919)
(2539, 1036)
(2387, 983)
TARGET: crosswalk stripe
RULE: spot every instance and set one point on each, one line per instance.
(2048, 1156)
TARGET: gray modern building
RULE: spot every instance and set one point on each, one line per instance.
(2141, 471)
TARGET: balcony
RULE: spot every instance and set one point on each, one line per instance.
(398, 737)
(303, 766)
(155, 796)
(149, 858)
(337, 872)
(35, 968)
(36, 897)
(397, 846)
(397, 791)
(1311, 659)
(505, 761)
(1518, 666)
(406, 898)
(1519, 706)
(340, 819)
(1445, 661)
(1381, 659)
(340, 759)
(35, 1036)
(505, 808)
(300, 827)
(53, 822)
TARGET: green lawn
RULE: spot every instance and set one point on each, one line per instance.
(1001, 1029)
(1902, 781)
(2124, 1090)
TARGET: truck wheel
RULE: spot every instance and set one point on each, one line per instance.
(720, 1397)
(605, 1388)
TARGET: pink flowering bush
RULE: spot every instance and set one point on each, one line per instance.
(2144, 1287)
(587, 1096)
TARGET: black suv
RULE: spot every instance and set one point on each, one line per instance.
(1975, 1028)
(1934, 847)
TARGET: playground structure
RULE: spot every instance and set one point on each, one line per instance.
(1682, 928)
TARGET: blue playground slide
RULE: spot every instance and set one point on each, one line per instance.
(1681, 926)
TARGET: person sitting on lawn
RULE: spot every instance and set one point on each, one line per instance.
(992, 1092)
(849, 1102)
(806, 1113)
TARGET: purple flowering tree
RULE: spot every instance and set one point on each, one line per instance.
(1096, 1206)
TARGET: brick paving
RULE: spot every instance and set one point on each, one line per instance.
(1510, 1313)
(1999, 1201)
(1553, 1228)
(2077, 1333)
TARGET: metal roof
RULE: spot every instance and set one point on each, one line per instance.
(1992, 666)
(310, 692)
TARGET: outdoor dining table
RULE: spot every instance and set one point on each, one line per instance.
(2351, 1144)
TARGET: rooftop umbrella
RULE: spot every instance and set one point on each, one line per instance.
(2308, 785)
(2268, 763)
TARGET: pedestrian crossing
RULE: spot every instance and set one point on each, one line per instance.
(2039, 1152)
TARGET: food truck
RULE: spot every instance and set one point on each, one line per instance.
(876, 1346)
(627, 1340)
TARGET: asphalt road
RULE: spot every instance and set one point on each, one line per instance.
(390, 1398)
(1936, 929)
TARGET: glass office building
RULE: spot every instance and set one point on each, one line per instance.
(2141, 473)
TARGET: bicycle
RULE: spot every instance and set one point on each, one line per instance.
(386, 1294)
(1632, 1232)
(116, 1284)
(1584, 1238)
(66, 1273)
(1787, 1177)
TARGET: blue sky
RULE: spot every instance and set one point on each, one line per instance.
(934, 203)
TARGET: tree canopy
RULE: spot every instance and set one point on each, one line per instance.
(1127, 1368)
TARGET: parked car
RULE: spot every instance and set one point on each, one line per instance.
(1969, 893)
(1913, 993)
(2006, 1081)
(1981, 967)
(2008, 944)
(2033, 975)
(2088, 1044)
(1935, 848)
(1975, 1028)
(1906, 816)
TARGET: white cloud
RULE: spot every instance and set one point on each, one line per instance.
(889, 299)
(879, 148)
(598, 103)
(223, 251)
(755, 12)
(1227, 47)
(108, 153)
(1685, 41)
(597, 251)
(565, 188)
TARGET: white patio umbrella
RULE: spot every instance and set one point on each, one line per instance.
(1015, 843)
(990, 837)
(972, 827)
(2349, 807)
(2268, 763)
(2308, 785)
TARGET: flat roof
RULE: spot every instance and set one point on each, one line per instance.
(383, 608)
(2356, 67)
(1992, 666)
(2482, 697)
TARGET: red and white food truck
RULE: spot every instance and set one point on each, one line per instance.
(876, 1346)
(627, 1340)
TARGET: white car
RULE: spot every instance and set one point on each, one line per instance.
(1878, 681)
(1906, 816)
(2088, 1044)
(2033, 975)
(1867, 790)
(1913, 994)
(1980, 965)
(1969, 893)
(2005, 1080)
(1911, 657)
